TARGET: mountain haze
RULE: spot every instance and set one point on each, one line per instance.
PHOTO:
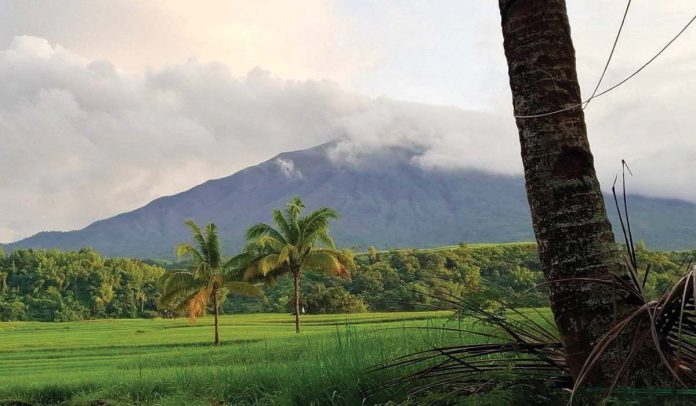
(386, 201)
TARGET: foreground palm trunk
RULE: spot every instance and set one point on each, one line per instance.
(296, 280)
(570, 222)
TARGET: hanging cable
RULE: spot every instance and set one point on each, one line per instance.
(629, 77)
(611, 55)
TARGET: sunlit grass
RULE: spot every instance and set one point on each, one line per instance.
(261, 359)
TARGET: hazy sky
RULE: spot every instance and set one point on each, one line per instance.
(105, 105)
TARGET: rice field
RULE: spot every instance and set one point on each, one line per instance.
(172, 362)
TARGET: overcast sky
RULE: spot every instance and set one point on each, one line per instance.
(106, 105)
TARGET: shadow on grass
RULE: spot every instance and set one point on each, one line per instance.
(126, 349)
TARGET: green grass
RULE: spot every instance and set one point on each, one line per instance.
(161, 362)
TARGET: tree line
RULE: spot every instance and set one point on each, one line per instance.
(52, 285)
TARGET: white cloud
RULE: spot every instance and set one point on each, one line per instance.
(436, 137)
(82, 140)
(306, 40)
(287, 168)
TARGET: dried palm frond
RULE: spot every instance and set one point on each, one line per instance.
(517, 350)
(663, 329)
(666, 327)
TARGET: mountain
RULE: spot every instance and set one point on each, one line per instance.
(386, 201)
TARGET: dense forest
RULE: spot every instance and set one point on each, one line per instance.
(59, 286)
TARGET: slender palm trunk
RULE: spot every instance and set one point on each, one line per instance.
(296, 281)
(570, 221)
(216, 311)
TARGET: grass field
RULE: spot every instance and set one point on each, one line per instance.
(172, 362)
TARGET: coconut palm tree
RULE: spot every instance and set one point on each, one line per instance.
(296, 244)
(206, 279)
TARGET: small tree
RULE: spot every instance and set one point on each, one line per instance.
(3, 282)
(204, 280)
(372, 255)
(295, 245)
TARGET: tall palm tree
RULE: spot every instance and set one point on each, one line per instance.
(570, 221)
(297, 243)
(205, 279)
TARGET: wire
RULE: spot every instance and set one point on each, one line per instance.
(649, 61)
(629, 77)
(611, 54)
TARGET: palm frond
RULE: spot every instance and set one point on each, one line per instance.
(212, 246)
(234, 267)
(325, 239)
(294, 209)
(197, 233)
(271, 278)
(183, 304)
(315, 228)
(185, 249)
(174, 277)
(345, 257)
(665, 327)
(327, 263)
(318, 219)
(197, 302)
(259, 230)
(522, 352)
(293, 213)
(266, 241)
(268, 263)
(175, 284)
(287, 254)
(260, 268)
(283, 225)
(252, 273)
(244, 289)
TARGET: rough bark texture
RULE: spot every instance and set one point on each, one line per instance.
(296, 281)
(216, 311)
(569, 218)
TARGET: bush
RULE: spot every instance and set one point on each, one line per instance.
(335, 299)
(13, 311)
